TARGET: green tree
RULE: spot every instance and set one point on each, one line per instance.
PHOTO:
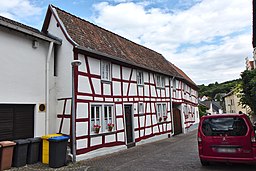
(202, 110)
(248, 86)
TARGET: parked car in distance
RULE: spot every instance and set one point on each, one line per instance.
(226, 138)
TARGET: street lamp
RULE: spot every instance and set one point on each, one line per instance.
(74, 64)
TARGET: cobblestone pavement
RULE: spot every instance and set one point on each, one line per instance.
(178, 153)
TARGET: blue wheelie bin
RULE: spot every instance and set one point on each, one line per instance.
(58, 150)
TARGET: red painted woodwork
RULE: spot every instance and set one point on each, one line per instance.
(159, 97)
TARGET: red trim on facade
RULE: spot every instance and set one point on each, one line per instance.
(63, 113)
(159, 97)
(125, 81)
(64, 116)
(62, 29)
(150, 126)
(128, 89)
(85, 150)
(122, 81)
(89, 74)
(120, 116)
(82, 120)
(151, 135)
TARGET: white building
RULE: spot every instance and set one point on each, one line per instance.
(119, 82)
(27, 59)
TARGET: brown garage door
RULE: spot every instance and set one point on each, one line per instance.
(16, 122)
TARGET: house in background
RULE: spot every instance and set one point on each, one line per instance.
(119, 82)
(27, 76)
(250, 65)
(213, 107)
(232, 104)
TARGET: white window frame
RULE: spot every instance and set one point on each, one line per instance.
(161, 110)
(160, 81)
(140, 108)
(140, 77)
(95, 116)
(101, 120)
(105, 69)
(174, 84)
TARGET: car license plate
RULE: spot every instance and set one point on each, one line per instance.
(226, 150)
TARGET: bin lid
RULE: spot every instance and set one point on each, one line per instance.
(50, 136)
(34, 140)
(7, 143)
(21, 141)
(60, 138)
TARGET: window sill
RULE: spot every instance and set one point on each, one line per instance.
(106, 81)
(162, 88)
(162, 122)
(102, 133)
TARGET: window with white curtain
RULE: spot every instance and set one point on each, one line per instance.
(102, 115)
(105, 71)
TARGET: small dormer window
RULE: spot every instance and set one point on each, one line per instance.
(160, 81)
(105, 71)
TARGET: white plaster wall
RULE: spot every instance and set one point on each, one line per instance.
(22, 69)
(23, 74)
(116, 88)
(126, 73)
(82, 67)
(116, 71)
(94, 65)
(64, 73)
(65, 57)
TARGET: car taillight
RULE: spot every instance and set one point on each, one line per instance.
(253, 139)
(199, 139)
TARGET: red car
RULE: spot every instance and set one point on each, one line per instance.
(226, 138)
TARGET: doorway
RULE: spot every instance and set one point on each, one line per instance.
(129, 126)
(177, 121)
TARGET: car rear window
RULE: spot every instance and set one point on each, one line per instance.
(231, 126)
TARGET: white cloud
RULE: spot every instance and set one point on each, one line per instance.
(19, 9)
(224, 25)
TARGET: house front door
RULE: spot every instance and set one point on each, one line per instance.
(177, 121)
(129, 125)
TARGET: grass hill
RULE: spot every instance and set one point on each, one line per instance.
(215, 88)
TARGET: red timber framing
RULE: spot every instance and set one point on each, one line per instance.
(182, 97)
(145, 125)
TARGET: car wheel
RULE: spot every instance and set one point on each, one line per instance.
(204, 163)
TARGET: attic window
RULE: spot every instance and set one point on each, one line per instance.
(105, 71)
(160, 81)
(140, 79)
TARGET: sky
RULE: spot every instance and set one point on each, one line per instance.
(208, 39)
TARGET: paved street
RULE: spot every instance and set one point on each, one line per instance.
(177, 153)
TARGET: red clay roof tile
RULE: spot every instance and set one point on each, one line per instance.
(99, 39)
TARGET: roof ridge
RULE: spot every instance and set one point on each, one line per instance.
(107, 30)
(18, 23)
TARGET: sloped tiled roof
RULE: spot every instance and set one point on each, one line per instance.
(11, 24)
(95, 38)
(183, 74)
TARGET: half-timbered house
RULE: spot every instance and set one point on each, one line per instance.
(120, 84)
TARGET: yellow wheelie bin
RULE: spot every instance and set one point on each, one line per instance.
(45, 147)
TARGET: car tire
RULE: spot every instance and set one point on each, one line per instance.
(204, 163)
